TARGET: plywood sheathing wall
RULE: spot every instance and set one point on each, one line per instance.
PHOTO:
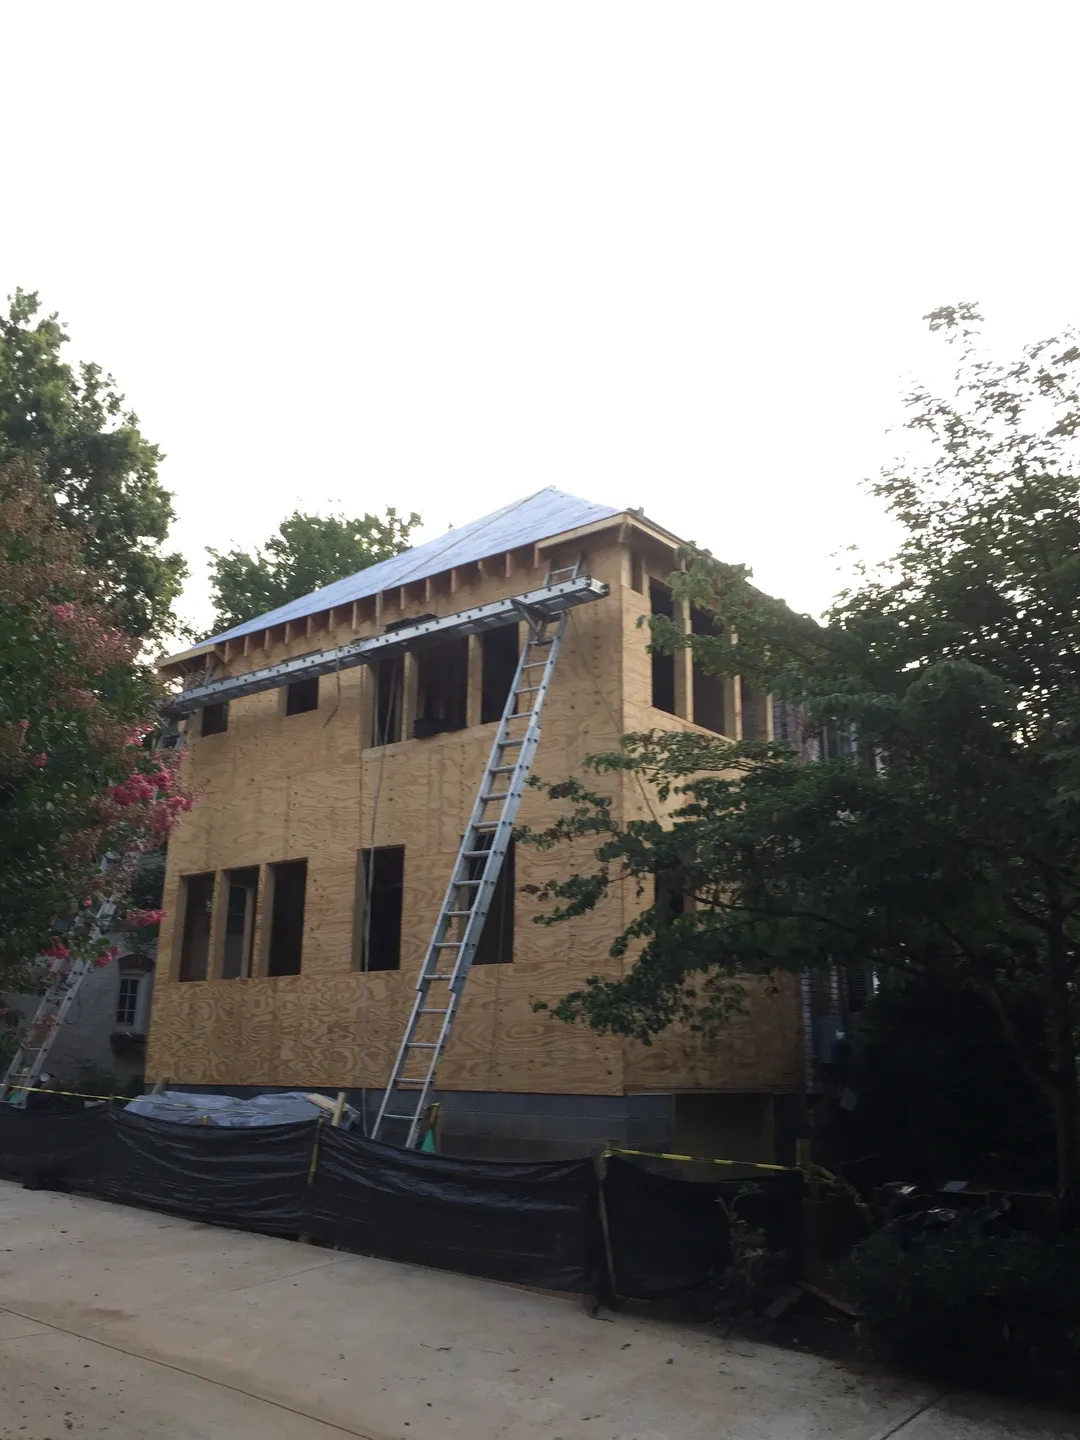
(276, 788)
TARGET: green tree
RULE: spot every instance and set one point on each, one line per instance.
(949, 843)
(76, 779)
(308, 552)
(88, 448)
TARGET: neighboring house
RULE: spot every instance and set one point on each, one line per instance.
(276, 973)
(104, 1032)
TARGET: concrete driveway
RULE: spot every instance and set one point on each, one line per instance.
(132, 1325)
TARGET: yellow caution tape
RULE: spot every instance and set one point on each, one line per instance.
(74, 1094)
(82, 1095)
(696, 1159)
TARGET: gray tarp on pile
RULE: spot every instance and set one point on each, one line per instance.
(182, 1108)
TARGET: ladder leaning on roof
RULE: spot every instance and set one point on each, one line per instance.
(476, 871)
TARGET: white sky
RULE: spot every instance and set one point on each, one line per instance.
(439, 255)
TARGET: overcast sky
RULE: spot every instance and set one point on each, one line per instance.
(440, 255)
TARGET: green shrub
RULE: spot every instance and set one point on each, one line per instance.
(971, 1306)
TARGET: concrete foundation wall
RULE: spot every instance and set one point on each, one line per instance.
(515, 1126)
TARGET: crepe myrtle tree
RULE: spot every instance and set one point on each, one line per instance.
(78, 780)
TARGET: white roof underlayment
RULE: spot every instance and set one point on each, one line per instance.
(537, 517)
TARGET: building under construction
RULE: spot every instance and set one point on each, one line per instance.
(352, 754)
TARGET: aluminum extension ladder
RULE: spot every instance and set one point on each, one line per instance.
(66, 979)
(477, 868)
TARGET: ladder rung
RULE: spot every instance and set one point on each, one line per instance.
(471, 855)
(525, 690)
(473, 882)
(455, 914)
(423, 1044)
(513, 740)
(436, 977)
(397, 1115)
(411, 1080)
(502, 770)
(495, 795)
(445, 944)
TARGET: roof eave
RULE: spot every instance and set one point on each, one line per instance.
(624, 520)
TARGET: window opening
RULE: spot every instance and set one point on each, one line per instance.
(127, 1001)
(386, 712)
(289, 886)
(441, 688)
(710, 709)
(673, 902)
(499, 660)
(215, 719)
(301, 696)
(195, 934)
(496, 945)
(663, 666)
(755, 725)
(242, 894)
(380, 892)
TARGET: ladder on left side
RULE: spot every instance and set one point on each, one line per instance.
(65, 981)
(66, 978)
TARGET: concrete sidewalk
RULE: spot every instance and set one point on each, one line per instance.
(127, 1324)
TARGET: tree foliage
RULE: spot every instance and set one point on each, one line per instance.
(76, 779)
(308, 552)
(937, 1091)
(87, 446)
(950, 843)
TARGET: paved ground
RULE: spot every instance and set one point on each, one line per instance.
(131, 1325)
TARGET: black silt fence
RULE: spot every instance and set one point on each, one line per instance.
(533, 1224)
(529, 1224)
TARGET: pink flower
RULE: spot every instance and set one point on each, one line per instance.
(24, 724)
(134, 790)
(56, 951)
(4, 1010)
(145, 917)
(87, 903)
(64, 612)
(40, 761)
